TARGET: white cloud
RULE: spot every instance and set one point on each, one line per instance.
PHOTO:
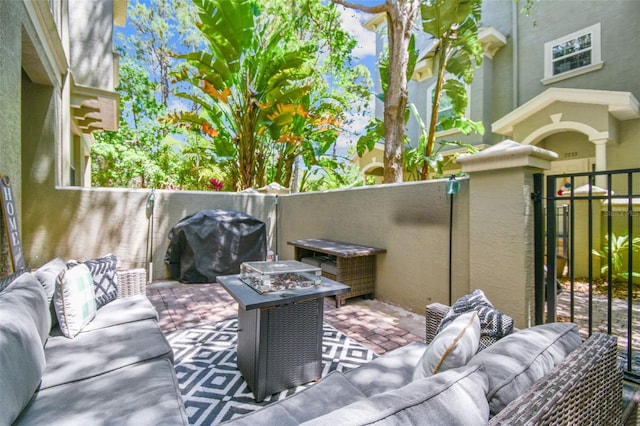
(352, 21)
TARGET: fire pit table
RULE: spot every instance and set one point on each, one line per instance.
(280, 332)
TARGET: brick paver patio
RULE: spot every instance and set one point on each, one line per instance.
(376, 325)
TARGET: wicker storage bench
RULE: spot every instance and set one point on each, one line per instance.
(350, 264)
(131, 282)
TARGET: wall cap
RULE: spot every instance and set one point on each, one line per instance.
(507, 154)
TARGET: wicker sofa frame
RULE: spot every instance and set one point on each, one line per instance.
(586, 388)
(131, 282)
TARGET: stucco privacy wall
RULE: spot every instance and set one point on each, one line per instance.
(501, 225)
(82, 223)
(410, 220)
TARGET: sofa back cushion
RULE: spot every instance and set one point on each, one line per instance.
(47, 275)
(25, 294)
(23, 319)
(453, 397)
(517, 361)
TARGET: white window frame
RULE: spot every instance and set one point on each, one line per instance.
(596, 55)
(441, 133)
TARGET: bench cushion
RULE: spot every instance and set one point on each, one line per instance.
(122, 311)
(47, 275)
(96, 352)
(140, 395)
(26, 295)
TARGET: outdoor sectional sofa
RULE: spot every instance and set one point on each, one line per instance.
(540, 375)
(118, 369)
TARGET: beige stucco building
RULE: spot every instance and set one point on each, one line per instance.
(58, 72)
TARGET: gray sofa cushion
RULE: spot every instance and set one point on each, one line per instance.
(122, 311)
(21, 354)
(331, 393)
(26, 295)
(143, 394)
(517, 361)
(47, 275)
(453, 397)
(391, 371)
(96, 352)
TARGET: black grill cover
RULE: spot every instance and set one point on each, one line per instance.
(214, 242)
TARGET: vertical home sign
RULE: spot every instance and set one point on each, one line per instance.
(11, 224)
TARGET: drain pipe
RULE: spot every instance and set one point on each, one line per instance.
(277, 242)
(151, 199)
(514, 40)
(452, 189)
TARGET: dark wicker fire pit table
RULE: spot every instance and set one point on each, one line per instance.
(279, 334)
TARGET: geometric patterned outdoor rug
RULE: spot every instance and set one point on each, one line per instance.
(212, 388)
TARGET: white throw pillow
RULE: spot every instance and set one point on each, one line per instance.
(74, 299)
(451, 348)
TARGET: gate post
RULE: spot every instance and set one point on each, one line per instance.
(501, 225)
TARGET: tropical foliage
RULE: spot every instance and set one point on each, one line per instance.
(618, 247)
(401, 17)
(454, 24)
(140, 153)
(301, 110)
(258, 105)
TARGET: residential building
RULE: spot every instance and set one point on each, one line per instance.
(562, 78)
(58, 72)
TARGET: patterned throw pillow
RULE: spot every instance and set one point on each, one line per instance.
(105, 279)
(74, 300)
(493, 324)
(453, 347)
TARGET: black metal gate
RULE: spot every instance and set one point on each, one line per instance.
(592, 276)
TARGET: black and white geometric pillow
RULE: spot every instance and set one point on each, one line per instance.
(105, 279)
(493, 324)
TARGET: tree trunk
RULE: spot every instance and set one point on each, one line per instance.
(437, 95)
(401, 17)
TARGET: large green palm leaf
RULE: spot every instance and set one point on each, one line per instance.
(249, 85)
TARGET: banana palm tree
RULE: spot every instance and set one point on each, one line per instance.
(251, 89)
(454, 23)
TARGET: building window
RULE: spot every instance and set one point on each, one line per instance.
(573, 54)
